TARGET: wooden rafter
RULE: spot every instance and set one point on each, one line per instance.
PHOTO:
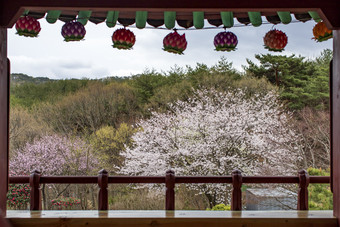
(327, 9)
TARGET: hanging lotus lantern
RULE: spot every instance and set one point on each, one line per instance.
(123, 39)
(225, 41)
(275, 40)
(27, 26)
(73, 31)
(321, 32)
(174, 43)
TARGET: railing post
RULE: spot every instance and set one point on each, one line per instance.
(303, 190)
(236, 196)
(170, 190)
(103, 182)
(35, 190)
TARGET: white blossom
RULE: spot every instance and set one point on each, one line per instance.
(214, 133)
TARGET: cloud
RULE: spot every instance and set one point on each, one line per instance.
(57, 68)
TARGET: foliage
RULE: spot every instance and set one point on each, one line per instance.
(104, 113)
(24, 127)
(212, 134)
(64, 203)
(220, 77)
(20, 78)
(89, 109)
(220, 207)
(108, 143)
(320, 196)
(279, 69)
(18, 196)
(125, 197)
(303, 82)
(29, 94)
(146, 84)
(314, 128)
(54, 155)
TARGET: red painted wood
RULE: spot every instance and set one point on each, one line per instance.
(136, 179)
(35, 190)
(178, 180)
(68, 180)
(3, 221)
(270, 179)
(19, 180)
(236, 196)
(328, 9)
(255, 5)
(170, 180)
(103, 182)
(319, 180)
(303, 190)
(331, 118)
(4, 116)
(170, 190)
(336, 123)
(203, 179)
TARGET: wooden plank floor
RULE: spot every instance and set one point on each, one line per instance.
(173, 219)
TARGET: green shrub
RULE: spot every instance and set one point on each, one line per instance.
(220, 207)
(65, 203)
(18, 196)
(320, 195)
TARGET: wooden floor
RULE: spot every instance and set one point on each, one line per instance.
(173, 219)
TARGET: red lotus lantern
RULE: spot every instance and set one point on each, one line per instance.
(225, 41)
(175, 43)
(275, 40)
(27, 26)
(73, 31)
(123, 39)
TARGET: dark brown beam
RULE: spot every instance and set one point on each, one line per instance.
(4, 118)
(330, 8)
(332, 15)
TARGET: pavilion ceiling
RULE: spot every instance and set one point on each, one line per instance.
(187, 13)
(184, 19)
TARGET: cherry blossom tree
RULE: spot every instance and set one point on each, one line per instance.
(213, 133)
(54, 155)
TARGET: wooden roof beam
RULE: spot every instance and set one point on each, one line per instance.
(328, 9)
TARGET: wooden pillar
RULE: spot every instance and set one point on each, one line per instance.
(335, 129)
(170, 190)
(103, 195)
(303, 190)
(236, 194)
(4, 116)
(35, 190)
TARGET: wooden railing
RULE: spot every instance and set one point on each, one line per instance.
(170, 180)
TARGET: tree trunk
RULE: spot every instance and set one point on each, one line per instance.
(277, 77)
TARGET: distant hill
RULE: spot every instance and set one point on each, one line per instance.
(20, 78)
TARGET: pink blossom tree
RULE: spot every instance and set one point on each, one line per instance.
(214, 133)
(54, 155)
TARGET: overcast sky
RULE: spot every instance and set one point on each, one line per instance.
(49, 56)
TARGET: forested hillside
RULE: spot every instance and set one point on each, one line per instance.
(20, 78)
(279, 106)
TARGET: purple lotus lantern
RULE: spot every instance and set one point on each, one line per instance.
(73, 31)
(225, 41)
